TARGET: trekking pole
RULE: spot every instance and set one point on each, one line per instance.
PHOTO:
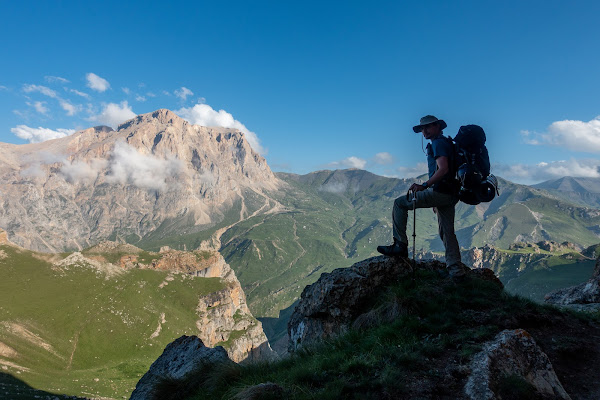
(414, 201)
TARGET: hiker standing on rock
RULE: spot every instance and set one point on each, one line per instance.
(439, 192)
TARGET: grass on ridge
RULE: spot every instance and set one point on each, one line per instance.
(412, 333)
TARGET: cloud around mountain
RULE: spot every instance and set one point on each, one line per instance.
(38, 135)
(205, 115)
(585, 168)
(129, 166)
(114, 114)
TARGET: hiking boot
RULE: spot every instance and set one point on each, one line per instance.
(398, 249)
(458, 272)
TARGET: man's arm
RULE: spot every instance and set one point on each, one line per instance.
(442, 169)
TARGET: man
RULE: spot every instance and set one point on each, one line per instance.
(438, 192)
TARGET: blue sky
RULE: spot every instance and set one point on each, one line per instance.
(317, 84)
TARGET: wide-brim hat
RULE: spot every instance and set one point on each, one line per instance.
(429, 119)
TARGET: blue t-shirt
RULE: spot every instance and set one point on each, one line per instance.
(440, 147)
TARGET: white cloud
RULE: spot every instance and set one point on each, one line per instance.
(524, 173)
(3, 87)
(414, 171)
(53, 79)
(80, 171)
(114, 114)
(166, 93)
(569, 134)
(128, 166)
(31, 164)
(183, 93)
(40, 106)
(204, 115)
(78, 93)
(68, 107)
(126, 90)
(383, 158)
(139, 98)
(46, 91)
(37, 135)
(96, 83)
(350, 162)
(150, 94)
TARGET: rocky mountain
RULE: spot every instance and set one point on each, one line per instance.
(380, 329)
(90, 323)
(583, 191)
(158, 181)
(155, 174)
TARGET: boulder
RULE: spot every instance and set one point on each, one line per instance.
(512, 353)
(585, 296)
(180, 357)
(328, 306)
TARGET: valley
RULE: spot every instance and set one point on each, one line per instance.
(206, 240)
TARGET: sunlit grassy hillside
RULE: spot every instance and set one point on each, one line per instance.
(79, 331)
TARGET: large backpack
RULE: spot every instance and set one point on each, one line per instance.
(471, 165)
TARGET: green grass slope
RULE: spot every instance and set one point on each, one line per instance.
(79, 332)
(416, 342)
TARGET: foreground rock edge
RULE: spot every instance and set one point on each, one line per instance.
(512, 352)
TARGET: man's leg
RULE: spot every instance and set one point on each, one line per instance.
(403, 204)
(425, 199)
(445, 215)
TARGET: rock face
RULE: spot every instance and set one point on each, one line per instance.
(223, 316)
(155, 173)
(180, 357)
(512, 352)
(585, 296)
(329, 306)
(225, 320)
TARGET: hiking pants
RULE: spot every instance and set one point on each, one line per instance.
(444, 204)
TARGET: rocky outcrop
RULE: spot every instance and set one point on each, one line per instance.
(223, 316)
(583, 297)
(225, 320)
(329, 306)
(181, 357)
(155, 174)
(512, 353)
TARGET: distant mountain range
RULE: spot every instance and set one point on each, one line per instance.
(583, 191)
(158, 180)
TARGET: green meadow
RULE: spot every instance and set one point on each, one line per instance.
(78, 331)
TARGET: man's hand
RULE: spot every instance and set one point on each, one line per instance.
(415, 187)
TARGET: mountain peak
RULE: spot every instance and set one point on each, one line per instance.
(162, 115)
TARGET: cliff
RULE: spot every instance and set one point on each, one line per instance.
(223, 315)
